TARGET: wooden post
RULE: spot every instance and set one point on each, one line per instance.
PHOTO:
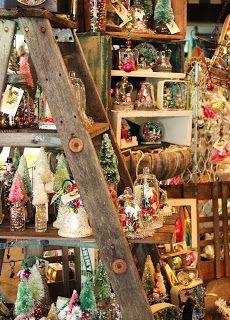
(216, 225)
(224, 186)
(7, 29)
(85, 167)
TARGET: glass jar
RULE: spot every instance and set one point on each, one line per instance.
(146, 190)
(17, 217)
(145, 96)
(128, 59)
(129, 214)
(123, 95)
(41, 219)
(81, 98)
(151, 132)
(25, 114)
(163, 63)
(138, 17)
(174, 95)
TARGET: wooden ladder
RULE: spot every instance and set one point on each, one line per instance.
(52, 72)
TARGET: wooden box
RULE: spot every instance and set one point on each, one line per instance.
(166, 99)
(51, 5)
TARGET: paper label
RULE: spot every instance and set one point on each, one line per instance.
(11, 100)
(73, 195)
(121, 11)
(173, 27)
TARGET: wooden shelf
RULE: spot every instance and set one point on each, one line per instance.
(174, 254)
(144, 36)
(177, 124)
(148, 74)
(165, 234)
(41, 138)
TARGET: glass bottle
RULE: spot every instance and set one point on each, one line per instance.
(81, 98)
(41, 219)
(146, 190)
(17, 217)
(123, 95)
(129, 213)
(145, 96)
(138, 17)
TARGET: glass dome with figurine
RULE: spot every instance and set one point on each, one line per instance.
(146, 190)
(138, 17)
(123, 95)
(145, 96)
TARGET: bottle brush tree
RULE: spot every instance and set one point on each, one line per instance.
(24, 173)
(148, 278)
(108, 161)
(24, 303)
(61, 173)
(163, 11)
(87, 298)
(16, 158)
(102, 287)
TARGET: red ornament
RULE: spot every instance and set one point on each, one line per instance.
(128, 43)
(26, 273)
(189, 259)
(179, 230)
(38, 313)
(128, 67)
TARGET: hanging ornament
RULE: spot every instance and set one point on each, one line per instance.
(128, 57)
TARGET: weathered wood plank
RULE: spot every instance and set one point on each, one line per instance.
(85, 166)
(34, 12)
(7, 29)
(65, 271)
(42, 138)
(50, 5)
(216, 225)
(226, 227)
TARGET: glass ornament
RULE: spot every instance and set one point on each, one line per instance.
(128, 59)
(163, 63)
(81, 98)
(41, 219)
(146, 190)
(145, 96)
(151, 132)
(147, 55)
(138, 17)
(223, 169)
(123, 95)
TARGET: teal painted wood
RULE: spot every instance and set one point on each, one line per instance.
(98, 53)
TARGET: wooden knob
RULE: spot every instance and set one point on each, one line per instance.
(76, 145)
(119, 266)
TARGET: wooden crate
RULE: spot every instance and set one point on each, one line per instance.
(180, 13)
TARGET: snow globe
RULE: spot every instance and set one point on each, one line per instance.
(151, 132)
(138, 17)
